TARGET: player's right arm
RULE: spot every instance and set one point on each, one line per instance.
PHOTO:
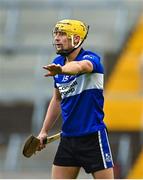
(52, 115)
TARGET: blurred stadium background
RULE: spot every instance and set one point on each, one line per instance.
(116, 32)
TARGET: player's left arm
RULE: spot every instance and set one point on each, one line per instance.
(71, 68)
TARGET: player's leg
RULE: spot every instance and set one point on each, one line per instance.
(62, 172)
(104, 174)
(95, 155)
(107, 172)
(65, 165)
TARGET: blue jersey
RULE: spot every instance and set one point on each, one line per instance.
(82, 97)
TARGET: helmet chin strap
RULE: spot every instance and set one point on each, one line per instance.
(66, 53)
(72, 41)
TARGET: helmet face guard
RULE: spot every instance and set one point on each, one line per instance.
(72, 28)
